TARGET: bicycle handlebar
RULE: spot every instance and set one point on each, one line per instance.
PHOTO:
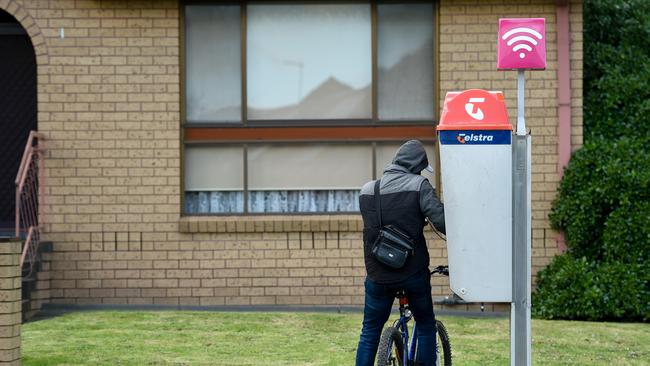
(443, 270)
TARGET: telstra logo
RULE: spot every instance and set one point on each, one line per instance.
(463, 137)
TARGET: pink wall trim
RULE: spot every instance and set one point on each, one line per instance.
(564, 95)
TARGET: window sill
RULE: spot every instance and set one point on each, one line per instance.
(274, 224)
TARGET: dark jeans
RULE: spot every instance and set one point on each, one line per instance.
(379, 301)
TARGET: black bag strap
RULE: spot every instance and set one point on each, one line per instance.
(378, 201)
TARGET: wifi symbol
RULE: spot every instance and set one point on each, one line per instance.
(522, 41)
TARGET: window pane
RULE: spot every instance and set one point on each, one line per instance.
(214, 168)
(405, 61)
(312, 167)
(386, 152)
(309, 61)
(304, 201)
(214, 202)
(213, 63)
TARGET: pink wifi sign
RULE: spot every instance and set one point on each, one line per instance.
(522, 43)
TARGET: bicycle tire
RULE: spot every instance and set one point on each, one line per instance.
(390, 350)
(443, 343)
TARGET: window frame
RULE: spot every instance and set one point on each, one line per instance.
(374, 130)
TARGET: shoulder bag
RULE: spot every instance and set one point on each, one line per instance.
(392, 247)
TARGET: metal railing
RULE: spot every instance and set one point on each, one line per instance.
(29, 189)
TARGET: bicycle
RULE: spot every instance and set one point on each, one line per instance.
(395, 339)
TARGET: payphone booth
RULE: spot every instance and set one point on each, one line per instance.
(475, 139)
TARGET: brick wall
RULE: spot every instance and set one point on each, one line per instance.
(576, 54)
(10, 304)
(108, 100)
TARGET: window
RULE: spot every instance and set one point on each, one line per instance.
(309, 61)
(290, 108)
(213, 64)
(405, 62)
(214, 179)
(297, 177)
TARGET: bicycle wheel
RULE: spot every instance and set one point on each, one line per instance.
(444, 347)
(391, 348)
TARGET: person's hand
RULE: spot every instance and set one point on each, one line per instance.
(440, 235)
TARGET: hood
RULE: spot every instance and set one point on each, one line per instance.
(412, 156)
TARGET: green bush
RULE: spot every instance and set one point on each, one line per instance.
(617, 68)
(626, 237)
(576, 288)
(603, 205)
(605, 180)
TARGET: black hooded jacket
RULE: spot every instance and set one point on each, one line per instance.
(406, 199)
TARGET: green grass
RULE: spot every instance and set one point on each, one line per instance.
(210, 338)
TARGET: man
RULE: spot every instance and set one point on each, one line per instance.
(407, 199)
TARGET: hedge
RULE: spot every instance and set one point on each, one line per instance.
(604, 189)
(616, 68)
(577, 288)
(603, 202)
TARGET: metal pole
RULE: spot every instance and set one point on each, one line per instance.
(521, 89)
(520, 320)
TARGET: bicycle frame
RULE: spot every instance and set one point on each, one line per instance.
(410, 343)
(405, 315)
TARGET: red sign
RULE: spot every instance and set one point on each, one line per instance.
(474, 109)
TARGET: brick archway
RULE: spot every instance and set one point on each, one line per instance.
(33, 30)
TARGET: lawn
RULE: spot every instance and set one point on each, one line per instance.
(211, 338)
